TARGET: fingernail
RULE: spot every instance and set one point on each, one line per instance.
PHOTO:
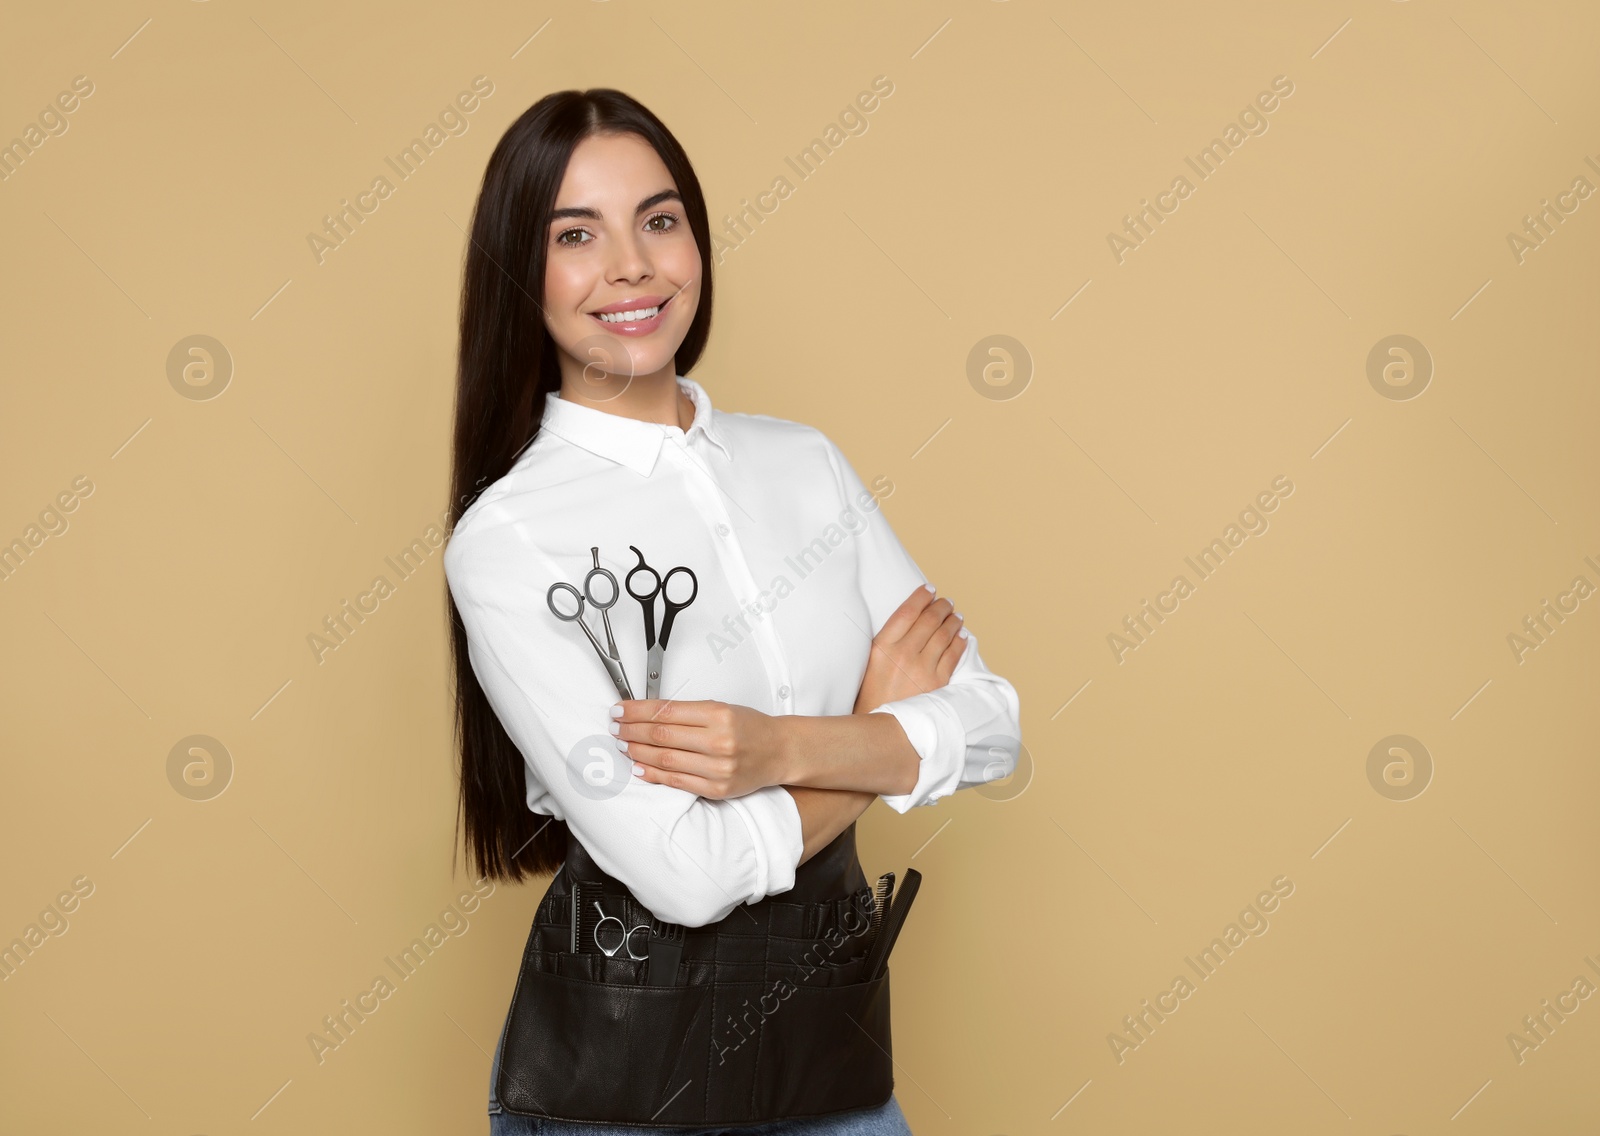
(623, 746)
(616, 710)
(963, 633)
(930, 588)
(958, 615)
(638, 770)
(616, 727)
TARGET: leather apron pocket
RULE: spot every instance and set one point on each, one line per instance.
(725, 1052)
(768, 1014)
(566, 1035)
(788, 1047)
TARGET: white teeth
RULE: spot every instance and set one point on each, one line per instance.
(629, 317)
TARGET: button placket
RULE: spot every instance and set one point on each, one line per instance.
(704, 492)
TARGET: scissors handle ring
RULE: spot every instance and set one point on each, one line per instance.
(673, 607)
(588, 587)
(644, 597)
(550, 598)
(693, 579)
(627, 935)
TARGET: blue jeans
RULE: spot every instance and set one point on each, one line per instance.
(885, 1120)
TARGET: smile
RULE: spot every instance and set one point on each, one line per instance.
(631, 317)
(635, 321)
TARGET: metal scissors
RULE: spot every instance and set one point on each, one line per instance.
(608, 653)
(621, 929)
(657, 645)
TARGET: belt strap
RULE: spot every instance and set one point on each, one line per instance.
(787, 920)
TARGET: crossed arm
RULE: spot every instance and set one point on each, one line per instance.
(833, 766)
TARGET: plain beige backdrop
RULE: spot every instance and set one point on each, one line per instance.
(262, 825)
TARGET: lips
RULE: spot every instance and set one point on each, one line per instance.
(639, 324)
(634, 304)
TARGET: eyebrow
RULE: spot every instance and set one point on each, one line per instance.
(594, 214)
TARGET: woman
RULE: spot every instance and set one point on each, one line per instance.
(807, 670)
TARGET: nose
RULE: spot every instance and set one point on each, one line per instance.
(630, 260)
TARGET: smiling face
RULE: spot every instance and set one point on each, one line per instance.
(622, 270)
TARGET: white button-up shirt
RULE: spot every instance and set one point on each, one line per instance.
(798, 569)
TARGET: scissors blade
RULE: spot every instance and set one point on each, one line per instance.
(652, 671)
(619, 678)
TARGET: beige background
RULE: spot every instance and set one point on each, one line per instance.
(1161, 794)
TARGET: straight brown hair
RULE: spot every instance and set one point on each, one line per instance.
(506, 364)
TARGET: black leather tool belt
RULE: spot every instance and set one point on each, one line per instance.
(766, 1014)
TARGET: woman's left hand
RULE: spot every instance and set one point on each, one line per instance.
(712, 749)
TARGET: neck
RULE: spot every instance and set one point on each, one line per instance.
(647, 398)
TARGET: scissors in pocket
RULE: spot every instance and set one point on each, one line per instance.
(657, 645)
(608, 653)
(619, 936)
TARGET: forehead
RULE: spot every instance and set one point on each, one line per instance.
(612, 173)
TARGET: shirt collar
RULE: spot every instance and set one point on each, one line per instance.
(628, 441)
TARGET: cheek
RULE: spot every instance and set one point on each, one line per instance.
(680, 262)
(566, 286)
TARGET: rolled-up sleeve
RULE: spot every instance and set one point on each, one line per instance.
(689, 859)
(967, 732)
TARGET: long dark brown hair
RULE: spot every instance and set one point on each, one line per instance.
(506, 365)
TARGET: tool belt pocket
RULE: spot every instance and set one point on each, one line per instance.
(727, 1052)
(779, 1010)
(631, 1038)
(593, 968)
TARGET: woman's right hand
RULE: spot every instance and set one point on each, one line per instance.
(916, 651)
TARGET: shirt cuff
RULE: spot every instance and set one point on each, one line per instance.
(775, 833)
(940, 740)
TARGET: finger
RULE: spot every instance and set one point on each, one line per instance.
(927, 623)
(703, 774)
(941, 637)
(901, 619)
(666, 735)
(951, 657)
(688, 782)
(686, 713)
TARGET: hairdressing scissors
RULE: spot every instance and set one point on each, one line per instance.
(608, 653)
(621, 929)
(658, 645)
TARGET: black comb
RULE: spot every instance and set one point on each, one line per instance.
(883, 943)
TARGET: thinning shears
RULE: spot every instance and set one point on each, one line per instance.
(657, 645)
(608, 653)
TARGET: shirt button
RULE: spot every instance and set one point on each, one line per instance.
(783, 692)
(722, 530)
